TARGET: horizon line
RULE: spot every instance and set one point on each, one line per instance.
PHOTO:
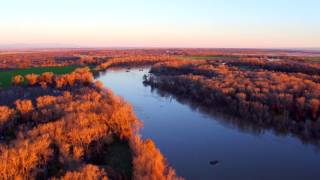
(44, 46)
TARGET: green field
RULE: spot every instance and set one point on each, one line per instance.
(6, 75)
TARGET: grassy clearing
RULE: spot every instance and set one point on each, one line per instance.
(212, 57)
(314, 59)
(6, 75)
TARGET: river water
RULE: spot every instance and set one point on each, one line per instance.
(191, 138)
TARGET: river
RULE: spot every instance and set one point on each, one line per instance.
(191, 138)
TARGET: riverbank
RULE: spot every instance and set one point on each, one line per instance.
(74, 129)
(191, 136)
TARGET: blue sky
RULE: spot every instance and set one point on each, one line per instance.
(162, 23)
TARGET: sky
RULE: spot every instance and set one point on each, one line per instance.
(162, 23)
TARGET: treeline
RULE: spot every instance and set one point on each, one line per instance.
(136, 60)
(13, 60)
(279, 100)
(299, 55)
(81, 76)
(279, 65)
(76, 129)
(64, 57)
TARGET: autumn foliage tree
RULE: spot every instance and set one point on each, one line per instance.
(32, 78)
(87, 172)
(17, 80)
(7, 116)
(24, 106)
(149, 163)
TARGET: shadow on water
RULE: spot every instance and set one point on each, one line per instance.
(242, 124)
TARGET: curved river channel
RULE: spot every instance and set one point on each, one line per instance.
(201, 145)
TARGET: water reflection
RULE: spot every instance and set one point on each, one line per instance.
(193, 137)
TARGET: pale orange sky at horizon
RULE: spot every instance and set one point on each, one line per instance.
(207, 24)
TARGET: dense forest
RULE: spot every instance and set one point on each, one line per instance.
(267, 93)
(70, 127)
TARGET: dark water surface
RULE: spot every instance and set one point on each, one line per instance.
(190, 138)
